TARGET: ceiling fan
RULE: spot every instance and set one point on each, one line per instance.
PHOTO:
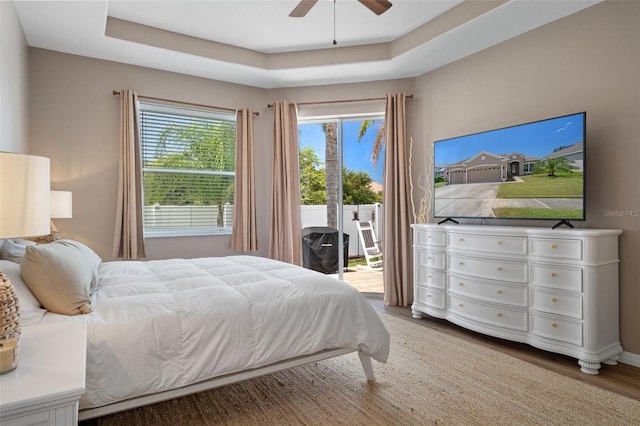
(376, 6)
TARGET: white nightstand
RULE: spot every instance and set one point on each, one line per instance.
(50, 378)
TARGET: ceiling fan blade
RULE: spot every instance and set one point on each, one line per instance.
(302, 8)
(377, 6)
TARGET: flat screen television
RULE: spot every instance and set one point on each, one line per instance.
(527, 171)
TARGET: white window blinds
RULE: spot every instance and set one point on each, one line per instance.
(188, 170)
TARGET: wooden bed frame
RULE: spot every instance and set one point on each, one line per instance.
(227, 379)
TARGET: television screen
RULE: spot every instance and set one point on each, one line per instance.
(528, 171)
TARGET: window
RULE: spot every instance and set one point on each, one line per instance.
(188, 164)
(528, 168)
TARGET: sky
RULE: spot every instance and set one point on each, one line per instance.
(356, 155)
(536, 139)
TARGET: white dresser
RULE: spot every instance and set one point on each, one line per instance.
(50, 378)
(556, 290)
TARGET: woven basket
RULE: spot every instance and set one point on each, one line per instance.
(9, 310)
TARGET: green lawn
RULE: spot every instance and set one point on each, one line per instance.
(353, 262)
(512, 212)
(564, 185)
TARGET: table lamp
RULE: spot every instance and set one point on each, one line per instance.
(61, 208)
(24, 211)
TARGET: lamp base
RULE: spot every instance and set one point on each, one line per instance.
(9, 325)
(54, 235)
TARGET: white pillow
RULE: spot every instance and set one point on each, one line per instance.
(62, 275)
(30, 311)
(14, 250)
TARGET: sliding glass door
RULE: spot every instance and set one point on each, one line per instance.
(341, 184)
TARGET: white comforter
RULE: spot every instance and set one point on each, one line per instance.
(160, 325)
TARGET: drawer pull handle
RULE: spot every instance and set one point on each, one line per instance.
(499, 291)
(554, 300)
(499, 242)
(554, 325)
(460, 263)
(428, 295)
(461, 239)
(460, 305)
(554, 246)
(499, 315)
(429, 236)
(429, 276)
(460, 284)
(553, 275)
(499, 268)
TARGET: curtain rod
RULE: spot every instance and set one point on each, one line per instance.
(342, 101)
(115, 92)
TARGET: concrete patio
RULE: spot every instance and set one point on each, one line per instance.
(365, 280)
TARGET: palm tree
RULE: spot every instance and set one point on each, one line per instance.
(378, 143)
(192, 147)
(332, 171)
(332, 166)
(552, 165)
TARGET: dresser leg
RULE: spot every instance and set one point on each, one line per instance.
(589, 367)
(416, 314)
(611, 361)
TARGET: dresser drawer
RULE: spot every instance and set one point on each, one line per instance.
(502, 316)
(565, 330)
(430, 297)
(431, 278)
(497, 269)
(556, 248)
(556, 276)
(569, 304)
(491, 291)
(488, 243)
(430, 259)
(430, 238)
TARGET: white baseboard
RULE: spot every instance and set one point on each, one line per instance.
(630, 358)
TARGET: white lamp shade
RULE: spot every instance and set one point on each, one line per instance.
(61, 204)
(24, 195)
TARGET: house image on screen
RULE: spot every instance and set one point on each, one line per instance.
(574, 154)
(488, 167)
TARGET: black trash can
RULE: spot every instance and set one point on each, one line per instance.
(320, 249)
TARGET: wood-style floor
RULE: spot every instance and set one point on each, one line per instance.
(621, 378)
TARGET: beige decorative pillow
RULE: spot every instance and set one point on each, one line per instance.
(30, 311)
(62, 275)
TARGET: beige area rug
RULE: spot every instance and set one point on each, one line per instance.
(431, 379)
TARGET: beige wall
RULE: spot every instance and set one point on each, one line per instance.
(14, 68)
(586, 62)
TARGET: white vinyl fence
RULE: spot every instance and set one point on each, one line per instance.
(163, 218)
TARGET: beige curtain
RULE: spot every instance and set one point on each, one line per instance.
(285, 238)
(244, 232)
(128, 235)
(398, 264)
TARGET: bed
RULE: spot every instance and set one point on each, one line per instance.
(163, 329)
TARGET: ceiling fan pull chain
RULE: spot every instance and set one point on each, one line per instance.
(334, 23)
